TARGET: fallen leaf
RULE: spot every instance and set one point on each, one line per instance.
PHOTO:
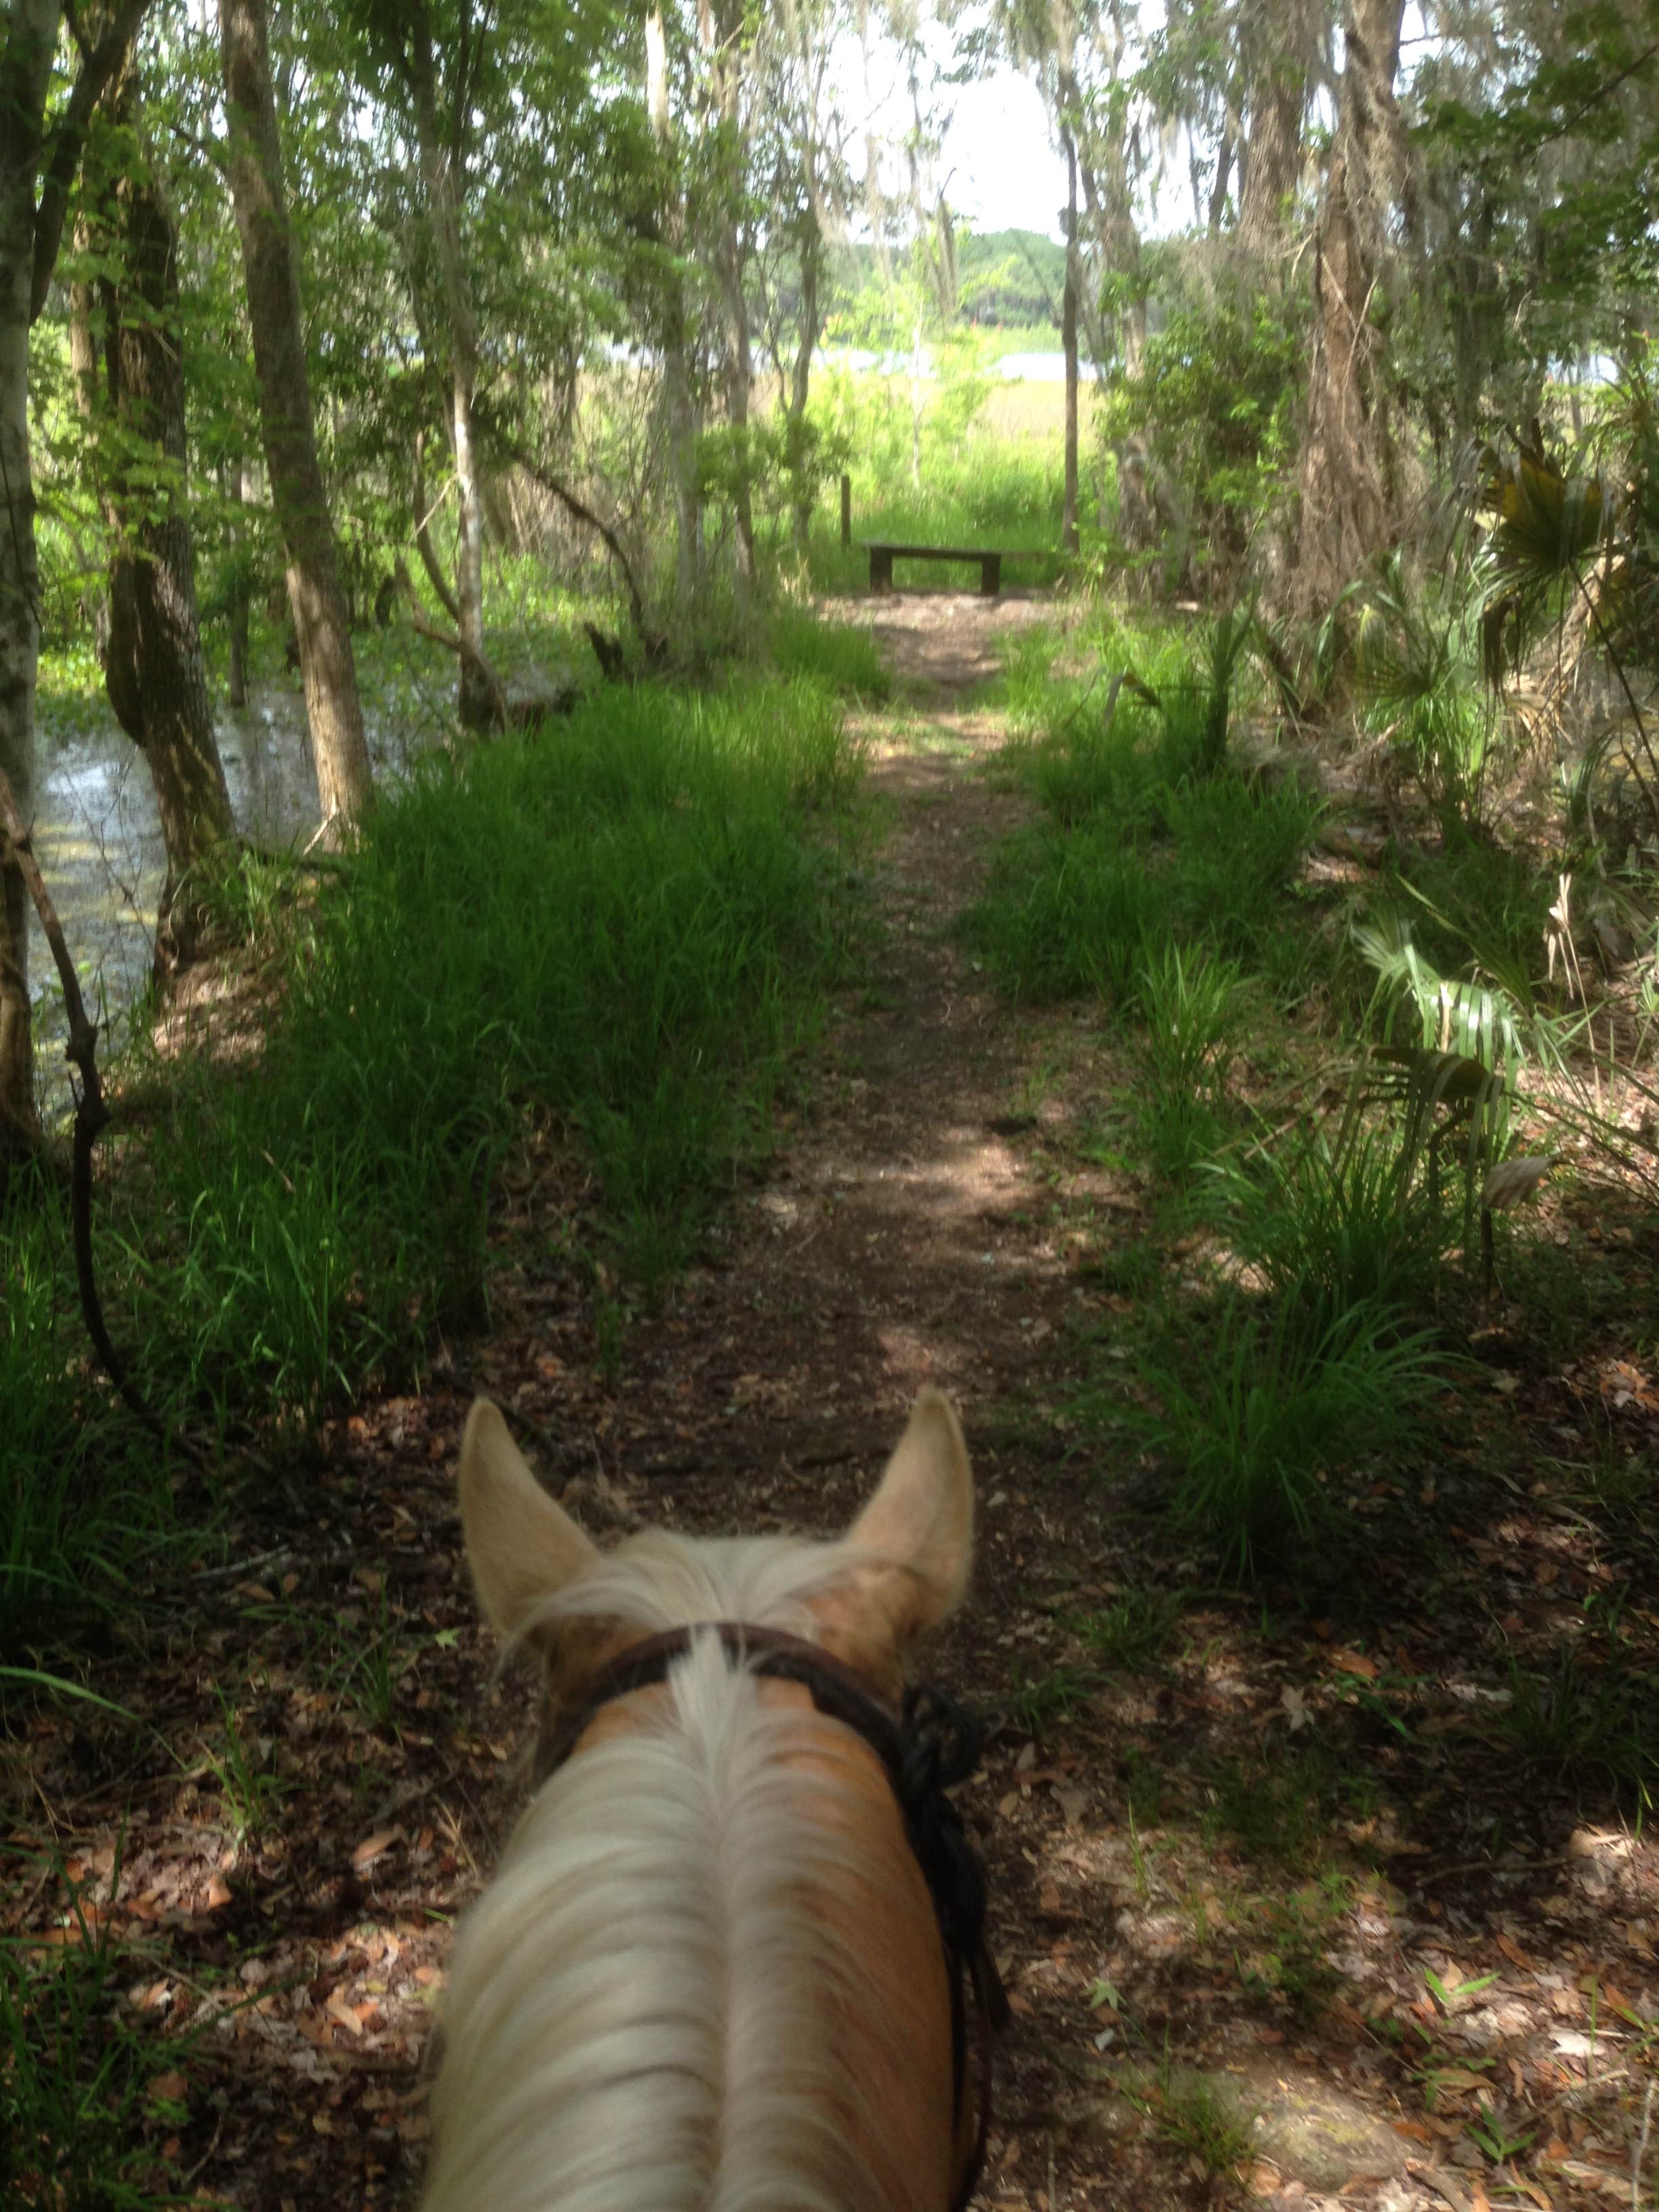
(371, 1847)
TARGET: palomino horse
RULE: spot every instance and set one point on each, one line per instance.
(711, 1974)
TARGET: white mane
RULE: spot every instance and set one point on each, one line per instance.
(645, 2012)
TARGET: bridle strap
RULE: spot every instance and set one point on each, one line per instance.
(932, 1744)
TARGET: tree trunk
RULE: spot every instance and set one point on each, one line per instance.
(334, 711)
(238, 492)
(1348, 505)
(675, 350)
(812, 255)
(739, 379)
(722, 34)
(479, 694)
(153, 671)
(1068, 531)
(25, 74)
(1273, 151)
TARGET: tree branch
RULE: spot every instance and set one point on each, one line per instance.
(424, 545)
(451, 641)
(94, 73)
(656, 645)
(91, 1116)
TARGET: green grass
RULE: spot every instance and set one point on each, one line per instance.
(83, 1501)
(1138, 1626)
(616, 934)
(1068, 912)
(1259, 1412)
(82, 2111)
(977, 488)
(840, 655)
(626, 925)
(1333, 1225)
(1189, 1006)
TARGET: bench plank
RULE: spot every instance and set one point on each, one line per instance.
(882, 554)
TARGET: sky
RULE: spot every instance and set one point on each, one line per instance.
(1002, 173)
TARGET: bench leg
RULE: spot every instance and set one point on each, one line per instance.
(990, 575)
(881, 570)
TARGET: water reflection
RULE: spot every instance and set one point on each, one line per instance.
(100, 847)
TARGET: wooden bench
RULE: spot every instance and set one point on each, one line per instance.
(883, 556)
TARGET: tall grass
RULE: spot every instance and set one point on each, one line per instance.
(82, 1501)
(1257, 1421)
(628, 923)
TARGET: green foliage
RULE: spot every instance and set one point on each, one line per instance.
(1418, 657)
(1213, 401)
(81, 1502)
(1189, 1004)
(1068, 912)
(1255, 1429)
(1331, 1222)
(841, 656)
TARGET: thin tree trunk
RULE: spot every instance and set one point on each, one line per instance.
(154, 670)
(25, 74)
(1068, 530)
(328, 670)
(812, 253)
(238, 491)
(675, 350)
(29, 237)
(739, 379)
(478, 694)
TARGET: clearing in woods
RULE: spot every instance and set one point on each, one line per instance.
(1253, 1942)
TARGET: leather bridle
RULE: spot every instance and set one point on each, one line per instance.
(926, 1747)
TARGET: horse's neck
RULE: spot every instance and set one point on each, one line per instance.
(707, 1975)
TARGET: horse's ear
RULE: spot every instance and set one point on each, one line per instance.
(921, 1521)
(523, 1548)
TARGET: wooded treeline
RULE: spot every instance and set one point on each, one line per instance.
(297, 302)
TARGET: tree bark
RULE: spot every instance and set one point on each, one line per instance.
(238, 493)
(812, 259)
(1068, 530)
(154, 670)
(25, 74)
(1348, 504)
(328, 669)
(1273, 155)
(677, 402)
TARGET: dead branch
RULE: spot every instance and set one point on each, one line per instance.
(451, 642)
(424, 545)
(655, 645)
(91, 1116)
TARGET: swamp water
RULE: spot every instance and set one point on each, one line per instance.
(99, 844)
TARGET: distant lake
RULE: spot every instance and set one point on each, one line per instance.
(1012, 367)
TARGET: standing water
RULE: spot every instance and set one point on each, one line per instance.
(99, 844)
